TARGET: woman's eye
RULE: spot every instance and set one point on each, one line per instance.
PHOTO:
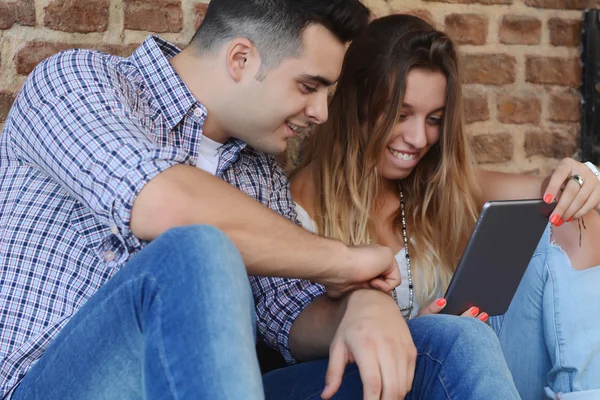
(436, 120)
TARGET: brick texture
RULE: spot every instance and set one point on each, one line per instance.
(154, 15)
(523, 109)
(517, 29)
(565, 32)
(77, 16)
(553, 71)
(21, 12)
(519, 59)
(565, 107)
(467, 28)
(492, 148)
(475, 106)
(489, 69)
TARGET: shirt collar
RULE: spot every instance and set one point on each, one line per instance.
(172, 95)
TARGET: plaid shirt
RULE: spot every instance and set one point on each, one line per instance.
(86, 133)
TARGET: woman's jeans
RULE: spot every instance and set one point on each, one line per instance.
(457, 358)
(550, 334)
(175, 323)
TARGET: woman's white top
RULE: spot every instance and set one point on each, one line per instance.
(401, 291)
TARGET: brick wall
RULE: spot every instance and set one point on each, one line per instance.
(521, 60)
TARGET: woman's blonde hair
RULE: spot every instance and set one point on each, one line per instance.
(441, 195)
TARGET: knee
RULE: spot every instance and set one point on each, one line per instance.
(204, 252)
(463, 332)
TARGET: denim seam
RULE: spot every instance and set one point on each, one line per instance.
(557, 328)
(161, 349)
(317, 393)
(439, 375)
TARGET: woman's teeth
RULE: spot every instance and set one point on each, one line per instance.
(293, 127)
(402, 156)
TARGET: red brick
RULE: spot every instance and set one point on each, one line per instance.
(6, 100)
(199, 12)
(425, 15)
(553, 71)
(489, 69)
(565, 107)
(32, 53)
(77, 16)
(154, 15)
(20, 11)
(492, 148)
(563, 4)
(517, 29)
(475, 106)
(522, 109)
(467, 28)
(565, 32)
(553, 144)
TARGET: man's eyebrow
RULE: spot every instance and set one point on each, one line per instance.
(317, 78)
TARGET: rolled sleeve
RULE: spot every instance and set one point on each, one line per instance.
(96, 149)
(279, 301)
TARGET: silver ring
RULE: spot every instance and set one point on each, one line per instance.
(593, 168)
(578, 179)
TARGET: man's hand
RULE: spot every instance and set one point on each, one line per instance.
(370, 266)
(373, 334)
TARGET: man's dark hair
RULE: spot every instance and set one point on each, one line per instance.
(275, 26)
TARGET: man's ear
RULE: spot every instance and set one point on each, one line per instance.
(241, 58)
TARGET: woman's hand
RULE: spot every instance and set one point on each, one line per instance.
(438, 305)
(574, 200)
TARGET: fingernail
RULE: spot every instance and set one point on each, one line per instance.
(570, 219)
(484, 317)
(560, 222)
(554, 218)
(441, 302)
(548, 198)
(474, 311)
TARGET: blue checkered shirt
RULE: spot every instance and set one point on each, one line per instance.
(85, 134)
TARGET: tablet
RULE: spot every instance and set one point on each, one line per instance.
(497, 255)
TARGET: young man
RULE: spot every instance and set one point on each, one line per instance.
(110, 287)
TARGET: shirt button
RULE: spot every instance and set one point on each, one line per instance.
(109, 256)
(114, 230)
(198, 113)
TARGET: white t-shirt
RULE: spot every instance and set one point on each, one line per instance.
(401, 291)
(209, 153)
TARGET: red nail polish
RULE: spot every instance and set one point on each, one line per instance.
(560, 222)
(570, 219)
(441, 302)
(484, 317)
(548, 198)
(554, 218)
(474, 311)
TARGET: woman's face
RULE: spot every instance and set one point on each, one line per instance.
(419, 126)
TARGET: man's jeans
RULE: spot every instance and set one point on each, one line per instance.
(175, 323)
(458, 358)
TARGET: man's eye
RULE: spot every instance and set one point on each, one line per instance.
(308, 89)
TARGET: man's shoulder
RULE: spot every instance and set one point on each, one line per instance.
(78, 71)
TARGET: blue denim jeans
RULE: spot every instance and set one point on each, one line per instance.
(458, 358)
(176, 322)
(550, 334)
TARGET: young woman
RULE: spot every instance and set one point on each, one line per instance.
(392, 166)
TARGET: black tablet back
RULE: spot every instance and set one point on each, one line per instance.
(497, 255)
